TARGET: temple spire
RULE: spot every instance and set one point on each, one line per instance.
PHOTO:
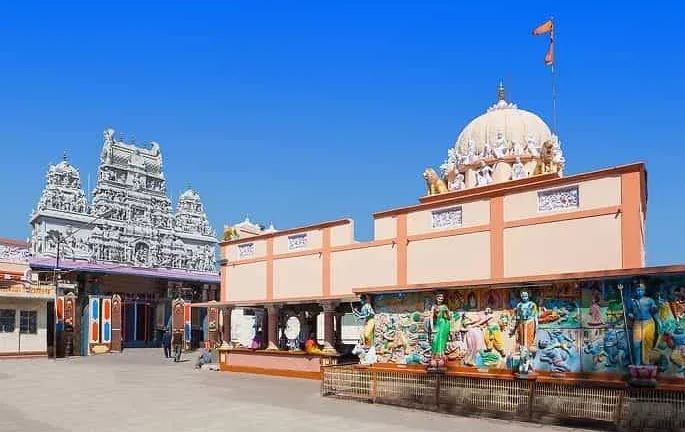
(500, 91)
(64, 156)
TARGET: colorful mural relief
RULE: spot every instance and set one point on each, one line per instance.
(600, 326)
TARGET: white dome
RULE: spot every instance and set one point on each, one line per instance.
(503, 119)
(506, 143)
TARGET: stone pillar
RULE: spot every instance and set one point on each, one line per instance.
(212, 293)
(338, 328)
(329, 327)
(272, 312)
(213, 324)
(226, 327)
(205, 293)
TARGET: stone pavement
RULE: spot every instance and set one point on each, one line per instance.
(139, 390)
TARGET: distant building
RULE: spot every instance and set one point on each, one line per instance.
(127, 241)
(23, 303)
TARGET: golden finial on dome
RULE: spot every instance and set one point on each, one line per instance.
(500, 91)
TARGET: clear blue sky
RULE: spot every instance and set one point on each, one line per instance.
(307, 111)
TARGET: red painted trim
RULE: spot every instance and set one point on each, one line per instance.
(564, 216)
(631, 225)
(449, 233)
(363, 245)
(272, 372)
(326, 262)
(519, 280)
(270, 269)
(289, 231)
(401, 246)
(22, 355)
(497, 237)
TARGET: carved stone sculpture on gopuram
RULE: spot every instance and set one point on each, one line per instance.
(506, 143)
(130, 218)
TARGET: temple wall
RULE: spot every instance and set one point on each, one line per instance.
(342, 234)
(12, 267)
(384, 228)
(314, 241)
(587, 244)
(373, 266)
(16, 343)
(593, 194)
(297, 277)
(232, 252)
(439, 259)
(587, 222)
(473, 213)
(246, 282)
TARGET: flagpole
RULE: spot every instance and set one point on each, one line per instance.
(554, 80)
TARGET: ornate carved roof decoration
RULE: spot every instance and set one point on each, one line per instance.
(63, 190)
(505, 143)
(139, 227)
(190, 215)
(270, 229)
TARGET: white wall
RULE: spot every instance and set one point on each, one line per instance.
(16, 342)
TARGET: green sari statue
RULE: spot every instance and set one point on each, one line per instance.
(440, 320)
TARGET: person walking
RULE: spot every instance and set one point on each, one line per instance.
(166, 340)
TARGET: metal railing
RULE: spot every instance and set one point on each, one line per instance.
(497, 396)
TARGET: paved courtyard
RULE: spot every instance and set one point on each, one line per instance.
(139, 390)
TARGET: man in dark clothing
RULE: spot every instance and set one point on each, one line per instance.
(166, 340)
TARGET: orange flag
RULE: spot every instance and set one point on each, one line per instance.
(545, 27)
(549, 57)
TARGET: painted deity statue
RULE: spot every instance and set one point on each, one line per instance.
(643, 312)
(500, 149)
(526, 322)
(367, 315)
(440, 323)
(518, 171)
(458, 183)
(492, 333)
(484, 175)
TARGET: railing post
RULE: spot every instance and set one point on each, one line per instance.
(531, 397)
(373, 385)
(618, 417)
(438, 379)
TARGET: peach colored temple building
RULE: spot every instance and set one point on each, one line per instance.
(500, 217)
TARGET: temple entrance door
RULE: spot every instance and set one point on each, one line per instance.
(138, 324)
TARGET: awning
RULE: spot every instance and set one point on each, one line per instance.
(111, 268)
(254, 304)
